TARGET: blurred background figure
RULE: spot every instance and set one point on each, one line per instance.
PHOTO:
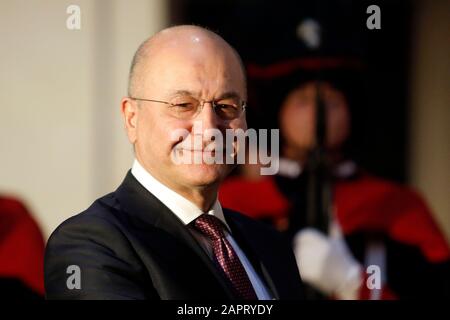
(371, 221)
(21, 252)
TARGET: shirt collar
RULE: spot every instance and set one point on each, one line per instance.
(184, 209)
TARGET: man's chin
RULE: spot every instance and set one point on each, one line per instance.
(204, 174)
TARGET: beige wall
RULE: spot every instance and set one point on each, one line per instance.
(61, 138)
(430, 98)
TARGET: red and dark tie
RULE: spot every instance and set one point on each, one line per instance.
(225, 256)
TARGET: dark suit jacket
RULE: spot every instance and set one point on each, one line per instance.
(128, 245)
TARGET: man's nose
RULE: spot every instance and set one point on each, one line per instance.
(208, 117)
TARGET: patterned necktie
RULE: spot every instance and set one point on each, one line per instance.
(226, 257)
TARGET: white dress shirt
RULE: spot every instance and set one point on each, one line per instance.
(187, 212)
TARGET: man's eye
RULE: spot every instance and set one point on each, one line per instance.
(186, 105)
(223, 106)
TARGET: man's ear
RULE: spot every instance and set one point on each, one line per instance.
(130, 114)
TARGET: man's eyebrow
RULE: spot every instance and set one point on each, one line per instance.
(226, 95)
(182, 93)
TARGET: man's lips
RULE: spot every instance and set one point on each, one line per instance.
(199, 150)
(205, 149)
(211, 152)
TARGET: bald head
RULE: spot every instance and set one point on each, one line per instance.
(195, 43)
(185, 78)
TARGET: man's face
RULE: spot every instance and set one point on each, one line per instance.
(298, 117)
(173, 76)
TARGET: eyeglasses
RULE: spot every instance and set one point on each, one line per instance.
(187, 108)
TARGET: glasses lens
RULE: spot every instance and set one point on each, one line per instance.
(228, 109)
(184, 107)
(188, 108)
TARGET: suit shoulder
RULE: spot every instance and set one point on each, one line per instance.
(98, 220)
(96, 242)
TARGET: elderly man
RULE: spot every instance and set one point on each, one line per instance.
(163, 234)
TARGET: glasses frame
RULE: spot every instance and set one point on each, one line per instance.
(213, 103)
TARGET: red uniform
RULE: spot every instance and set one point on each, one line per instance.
(21, 252)
(368, 209)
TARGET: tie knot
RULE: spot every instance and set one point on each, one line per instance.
(210, 226)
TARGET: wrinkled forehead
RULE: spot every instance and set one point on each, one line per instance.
(205, 67)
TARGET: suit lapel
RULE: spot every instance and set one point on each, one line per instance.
(145, 210)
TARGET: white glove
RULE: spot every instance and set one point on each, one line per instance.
(327, 264)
